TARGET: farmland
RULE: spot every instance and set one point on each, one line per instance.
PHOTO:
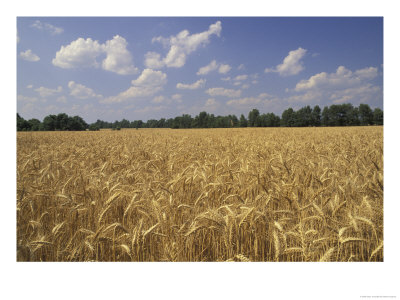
(251, 194)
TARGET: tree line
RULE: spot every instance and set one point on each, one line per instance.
(334, 115)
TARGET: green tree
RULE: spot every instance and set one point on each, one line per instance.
(366, 115)
(93, 127)
(76, 123)
(325, 120)
(49, 123)
(125, 123)
(271, 120)
(203, 120)
(303, 117)
(22, 124)
(62, 122)
(378, 116)
(316, 116)
(34, 124)
(242, 121)
(288, 118)
(252, 118)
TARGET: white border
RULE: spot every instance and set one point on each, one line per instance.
(199, 280)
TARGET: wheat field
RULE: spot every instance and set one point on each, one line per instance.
(251, 194)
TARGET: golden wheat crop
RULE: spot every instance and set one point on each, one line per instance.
(252, 194)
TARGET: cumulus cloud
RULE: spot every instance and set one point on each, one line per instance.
(241, 77)
(29, 55)
(153, 60)
(212, 66)
(367, 73)
(22, 98)
(342, 78)
(150, 109)
(262, 99)
(207, 69)
(177, 97)
(85, 53)
(80, 91)
(62, 99)
(342, 86)
(147, 84)
(118, 59)
(150, 78)
(198, 84)
(180, 46)
(210, 102)
(79, 53)
(223, 69)
(292, 64)
(219, 91)
(158, 99)
(244, 101)
(53, 30)
(360, 94)
(46, 92)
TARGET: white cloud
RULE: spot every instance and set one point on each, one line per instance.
(80, 53)
(240, 77)
(147, 84)
(210, 102)
(264, 95)
(198, 84)
(53, 30)
(158, 99)
(150, 78)
(22, 98)
(81, 92)
(223, 69)
(226, 78)
(62, 99)
(342, 86)
(29, 55)
(219, 91)
(180, 46)
(309, 97)
(150, 109)
(46, 92)
(118, 59)
(244, 101)
(29, 86)
(84, 53)
(207, 69)
(245, 86)
(263, 100)
(212, 66)
(177, 96)
(361, 94)
(291, 65)
(241, 67)
(153, 61)
(367, 73)
(342, 78)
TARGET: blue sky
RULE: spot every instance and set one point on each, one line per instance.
(144, 68)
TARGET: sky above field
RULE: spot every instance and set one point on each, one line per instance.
(151, 68)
